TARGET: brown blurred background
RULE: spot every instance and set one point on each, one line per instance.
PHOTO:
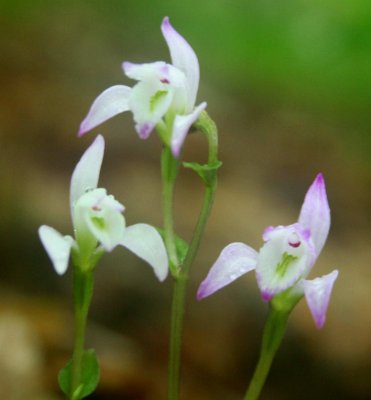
(289, 86)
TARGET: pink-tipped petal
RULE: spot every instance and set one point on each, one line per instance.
(145, 242)
(109, 103)
(86, 173)
(58, 247)
(181, 126)
(315, 213)
(184, 58)
(235, 260)
(317, 293)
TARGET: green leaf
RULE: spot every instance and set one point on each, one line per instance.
(181, 248)
(180, 244)
(88, 380)
(207, 172)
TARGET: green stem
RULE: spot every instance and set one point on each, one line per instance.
(83, 291)
(274, 331)
(179, 297)
(206, 125)
(169, 172)
(176, 328)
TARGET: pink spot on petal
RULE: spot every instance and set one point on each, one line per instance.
(294, 240)
(144, 130)
(266, 296)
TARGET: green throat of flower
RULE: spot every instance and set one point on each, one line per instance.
(99, 222)
(156, 98)
(286, 260)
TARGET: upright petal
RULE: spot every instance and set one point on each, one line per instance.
(317, 293)
(86, 174)
(235, 260)
(315, 213)
(184, 58)
(181, 126)
(58, 247)
(109, 103)
(144, 241)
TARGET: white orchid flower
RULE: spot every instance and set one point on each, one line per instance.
(164, 96)
(286, 258)
(99, 224)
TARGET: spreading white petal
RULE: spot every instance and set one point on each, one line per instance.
(86, 174)
(317, 293)
(144, 241)
(58, 247)
(184, 58)
(181, 126)
(235, 260)
(109, 103)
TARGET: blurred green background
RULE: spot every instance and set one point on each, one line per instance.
(289, 86)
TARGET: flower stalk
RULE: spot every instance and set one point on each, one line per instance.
(274, 331)
(83, 283)
(280, 309)
(169, 173)
(208, 174)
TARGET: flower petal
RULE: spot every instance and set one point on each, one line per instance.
(317, 293)
(181, 126)
(58, 247)
(109, 103)
(86, 174)
(184, 58)
(144, 241)
(235, 260)
(315, 213)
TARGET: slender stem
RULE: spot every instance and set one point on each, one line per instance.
(206, 125)
(179, 298)
(176, 328)
(274, 331)
(169, 172)
(83, 290)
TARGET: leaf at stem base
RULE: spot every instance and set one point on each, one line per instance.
(89, 377)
